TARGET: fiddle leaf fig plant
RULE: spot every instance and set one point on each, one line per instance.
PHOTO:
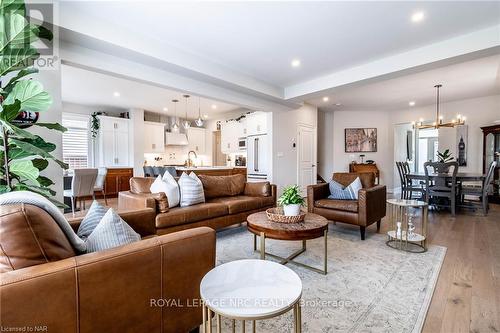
(291, 196)
(23, 155)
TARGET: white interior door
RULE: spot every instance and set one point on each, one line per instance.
(306, 151)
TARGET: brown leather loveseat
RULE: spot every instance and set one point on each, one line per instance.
(148, 286)
(368, 209)
(228, 200)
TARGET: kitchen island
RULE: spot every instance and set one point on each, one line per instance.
(213, 171)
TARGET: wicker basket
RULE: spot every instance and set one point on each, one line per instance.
(276, 215)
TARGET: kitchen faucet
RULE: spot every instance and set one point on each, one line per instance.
(190, 162)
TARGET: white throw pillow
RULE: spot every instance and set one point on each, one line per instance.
(350, 192)
(91, 219)
(111, 232)
(191, 189)
(167, 186)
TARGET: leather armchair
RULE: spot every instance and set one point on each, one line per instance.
(368, 209)
(147, 286)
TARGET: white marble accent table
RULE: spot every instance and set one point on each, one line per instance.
(250, 290)
(407, 239)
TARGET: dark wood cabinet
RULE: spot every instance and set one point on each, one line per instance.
(117, 180)
(491, 152)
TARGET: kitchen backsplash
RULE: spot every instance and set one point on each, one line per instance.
(174, 155)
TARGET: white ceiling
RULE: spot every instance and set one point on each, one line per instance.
(259, 39)
(95, 89)
(480, 77)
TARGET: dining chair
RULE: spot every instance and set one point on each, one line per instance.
(407, 185)
(438, 185)
(481, 191)
(100, 183)
(148, 171)
(171, 170)
(156, 171)
(82, 185)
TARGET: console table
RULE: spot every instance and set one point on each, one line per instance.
(365, 167)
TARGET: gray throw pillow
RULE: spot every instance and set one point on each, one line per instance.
(112, 231)
(350, 192)
(91, 220)
(191, 190)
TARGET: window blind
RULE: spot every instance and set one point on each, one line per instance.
(76, 140)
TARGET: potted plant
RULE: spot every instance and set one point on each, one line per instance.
(291, 200)
(444, 157)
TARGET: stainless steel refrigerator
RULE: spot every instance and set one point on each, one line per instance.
(257, 158)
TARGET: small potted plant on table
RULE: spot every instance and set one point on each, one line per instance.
(291, 200)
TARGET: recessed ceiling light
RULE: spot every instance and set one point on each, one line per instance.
(116, 94)
(338, 104)
(165, 109)
(411, 103)
(417, 16)
(205, 116)
(326, 99)
(214, 106)
(295, 63)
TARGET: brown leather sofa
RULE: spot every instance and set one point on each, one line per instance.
(147, 286)
(368, 209)
(229, 200)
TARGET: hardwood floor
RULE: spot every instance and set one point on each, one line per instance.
(467, 294)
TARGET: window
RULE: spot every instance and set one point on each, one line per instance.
(76, 140)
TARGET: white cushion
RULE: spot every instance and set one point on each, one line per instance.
(350, 192)
(191, 190)
(112, 231)
(94, 215)
(168, 186)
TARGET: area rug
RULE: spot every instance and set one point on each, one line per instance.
(369, 287)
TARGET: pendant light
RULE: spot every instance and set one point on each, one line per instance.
(438, 123)
(186, 122)
(175, 126)
(199, 121)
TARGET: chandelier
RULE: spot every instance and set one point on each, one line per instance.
(438, 123)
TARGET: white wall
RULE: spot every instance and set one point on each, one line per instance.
(482, 111)
(51, 80)
(284, 136)
(325, 144)
(360, 119)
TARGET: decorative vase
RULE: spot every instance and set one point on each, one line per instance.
(291, 210)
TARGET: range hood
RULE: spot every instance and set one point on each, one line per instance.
(171, 138)
(175, 139)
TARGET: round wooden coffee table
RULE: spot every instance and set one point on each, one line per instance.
(313, 226)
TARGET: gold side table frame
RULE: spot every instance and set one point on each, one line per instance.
(291, 257)
(207, 325)
(398, 212)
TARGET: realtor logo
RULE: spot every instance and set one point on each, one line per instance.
(31, 34)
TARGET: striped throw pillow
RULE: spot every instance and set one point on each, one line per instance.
(350, 192)
(112, 231)
(91, 220)
(191, 190)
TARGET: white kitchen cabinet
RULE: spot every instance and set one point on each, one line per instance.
(196, 140)
(113, 142)
(154, 137)
(256, 123)
(231, 131)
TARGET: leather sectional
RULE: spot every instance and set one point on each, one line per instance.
(147, 286)
(229, 200)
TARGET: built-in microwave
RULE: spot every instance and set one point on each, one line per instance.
(242, 143)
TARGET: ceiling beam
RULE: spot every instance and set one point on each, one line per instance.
(442, 53)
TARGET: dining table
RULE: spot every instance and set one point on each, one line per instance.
(460, 177)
